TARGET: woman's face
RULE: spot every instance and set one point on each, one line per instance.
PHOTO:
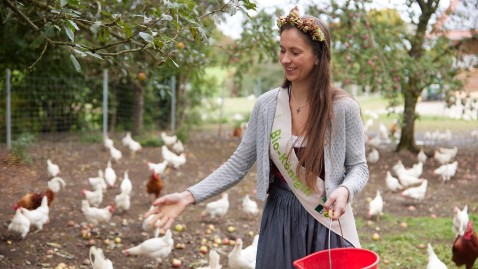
(296, 56)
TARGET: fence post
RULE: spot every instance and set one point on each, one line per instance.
(9, 116)
(173, 104)
(105, 103)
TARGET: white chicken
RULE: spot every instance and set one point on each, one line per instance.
(110, 175)
(415, 171)
(126, 139)
(433, 260)
(178, 147)
(213, 261)
(373, 156)
(147, 225)
(95, 215)
(398, 166)
(367, 125)
(217, 208)
(19, 224)
(417, 193)
(249, 206)
(134, 146)
(98, 182)
(126, 185)
(95, 198)
(166, 152)
(375, 141)
(39, 216)
(446, 171)
(407, 180)
(383, 132)
(157, 248)
(53, 169)
(240, 258)
(107, 142)
(99, 261)
(450, 151)
(375, 206)
(443, 158)
(422, 157)
(122, 202)
(460, 220)
(168, 140)
(115, 154)
(392, 182)
(177, 161)
(474, 134)
(55, 184)
(158, 168)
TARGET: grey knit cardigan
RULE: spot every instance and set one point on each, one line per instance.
(345, 163)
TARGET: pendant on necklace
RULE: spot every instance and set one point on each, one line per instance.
(298, 110)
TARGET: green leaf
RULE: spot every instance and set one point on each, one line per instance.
(75, 63)
(73, 24)
(158, 43)
(79, 52)
(249, 5)
(37, 41)
(146, 37)
(49, 29)
(195, 34)
(97, 56)
(69, 33)
(104, 34)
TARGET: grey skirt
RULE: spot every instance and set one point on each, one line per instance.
(288, 232)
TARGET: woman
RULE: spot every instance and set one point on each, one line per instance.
(307, 139)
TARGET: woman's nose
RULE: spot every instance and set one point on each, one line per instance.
(284, 59)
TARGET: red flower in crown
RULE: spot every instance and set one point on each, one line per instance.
(307, 26)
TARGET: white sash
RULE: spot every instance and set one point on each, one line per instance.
(286, 160)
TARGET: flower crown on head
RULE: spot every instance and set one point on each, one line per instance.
(307, 26)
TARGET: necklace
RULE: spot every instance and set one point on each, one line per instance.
(293, 100)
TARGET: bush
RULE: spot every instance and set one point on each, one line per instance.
(20, 146)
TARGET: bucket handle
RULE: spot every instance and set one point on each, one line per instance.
(342, 241)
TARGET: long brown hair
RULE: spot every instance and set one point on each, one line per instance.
(322, 95)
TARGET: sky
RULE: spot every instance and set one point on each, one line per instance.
(233, 24)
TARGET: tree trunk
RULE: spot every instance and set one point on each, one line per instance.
(138, 107)
(412, 90)
(407, 138)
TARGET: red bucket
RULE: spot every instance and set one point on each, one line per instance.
(349, 258)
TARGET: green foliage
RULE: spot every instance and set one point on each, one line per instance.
(19, 150)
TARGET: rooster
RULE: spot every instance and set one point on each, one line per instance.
(157, 248)
(218, 207)
(155, 185)
(465, 247)
(32, 200)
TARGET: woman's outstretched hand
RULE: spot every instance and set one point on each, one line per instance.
(337, 202)
(167, 208)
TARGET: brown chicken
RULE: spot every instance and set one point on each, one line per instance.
(32, 200)
(465, 247)
(155, 184)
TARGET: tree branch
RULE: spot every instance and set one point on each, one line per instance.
(28, 21)
(39, 58)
